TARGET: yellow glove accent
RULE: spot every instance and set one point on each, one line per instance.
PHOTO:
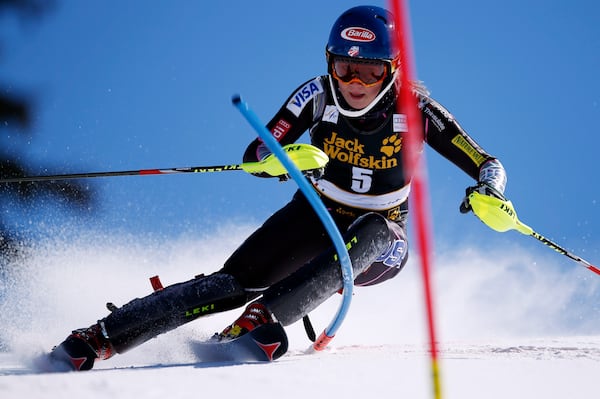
(497, 214)
(304, 156)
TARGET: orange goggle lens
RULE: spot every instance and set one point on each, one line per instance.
(367, 73)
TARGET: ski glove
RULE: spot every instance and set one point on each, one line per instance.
(481, 188)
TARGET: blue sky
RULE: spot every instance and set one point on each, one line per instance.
(121, 85)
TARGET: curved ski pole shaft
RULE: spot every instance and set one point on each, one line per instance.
(315, 201)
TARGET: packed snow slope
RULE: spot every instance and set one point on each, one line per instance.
(511, 324)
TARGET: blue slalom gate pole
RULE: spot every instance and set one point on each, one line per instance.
(317, 204)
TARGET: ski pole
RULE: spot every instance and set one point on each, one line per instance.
(317, 204)
(501, 216)
(305, 156)
(523, 228)
(141, 172)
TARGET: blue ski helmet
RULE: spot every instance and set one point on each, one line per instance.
(364, 33)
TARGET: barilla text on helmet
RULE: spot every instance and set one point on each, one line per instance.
(357, 34)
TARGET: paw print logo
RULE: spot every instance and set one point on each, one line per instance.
(391, 145)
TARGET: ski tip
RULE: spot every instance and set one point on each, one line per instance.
(236, 99)
(46, 363)
(265, 343)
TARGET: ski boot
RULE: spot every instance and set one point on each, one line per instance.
(80, 350)
(256, 314)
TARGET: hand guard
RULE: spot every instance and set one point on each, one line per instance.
(490, 206)
(307, 158)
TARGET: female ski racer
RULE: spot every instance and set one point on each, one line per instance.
(286, 268)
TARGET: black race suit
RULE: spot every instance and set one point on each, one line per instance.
(364, 174)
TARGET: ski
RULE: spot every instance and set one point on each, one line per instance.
(265, 343)
(51, 363)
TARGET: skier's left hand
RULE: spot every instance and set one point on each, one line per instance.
(481, 188)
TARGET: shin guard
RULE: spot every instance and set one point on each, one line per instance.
(144, 318)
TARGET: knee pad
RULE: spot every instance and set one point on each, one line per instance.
(389, 263)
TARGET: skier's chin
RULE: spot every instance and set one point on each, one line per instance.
(358, 101)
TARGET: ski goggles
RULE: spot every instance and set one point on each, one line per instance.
(367, 72)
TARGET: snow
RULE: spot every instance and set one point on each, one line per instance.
(510, 324)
